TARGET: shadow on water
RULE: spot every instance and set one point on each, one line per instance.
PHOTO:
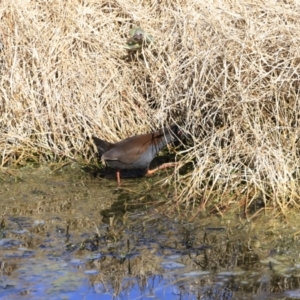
(69, 236)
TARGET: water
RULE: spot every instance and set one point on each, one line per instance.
(67, 235)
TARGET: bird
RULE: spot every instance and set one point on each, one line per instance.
(137, 152)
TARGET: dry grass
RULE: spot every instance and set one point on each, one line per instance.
(229, 71)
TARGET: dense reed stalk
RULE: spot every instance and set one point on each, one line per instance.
(227, 71)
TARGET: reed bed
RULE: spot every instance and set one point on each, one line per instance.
(226, 71)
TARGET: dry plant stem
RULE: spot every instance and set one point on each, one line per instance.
(130, 190)
(60, 167)
(258, 212)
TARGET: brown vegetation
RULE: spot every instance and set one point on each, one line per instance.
(228, 72)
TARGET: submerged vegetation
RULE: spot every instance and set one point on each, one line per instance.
(227, 72)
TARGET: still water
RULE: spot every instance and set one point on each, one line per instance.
(65, 234)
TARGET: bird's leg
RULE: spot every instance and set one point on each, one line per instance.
(163, 166)
(118, 178)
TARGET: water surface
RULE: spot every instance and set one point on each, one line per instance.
(69, 235)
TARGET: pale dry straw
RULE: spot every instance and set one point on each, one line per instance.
(227, 71)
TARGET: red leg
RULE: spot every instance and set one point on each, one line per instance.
(163, 166)
(118, 178)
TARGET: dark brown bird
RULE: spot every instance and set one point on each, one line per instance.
(137, 152)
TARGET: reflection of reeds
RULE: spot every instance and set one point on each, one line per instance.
(115, 277)
(228, 71)
(53, 222)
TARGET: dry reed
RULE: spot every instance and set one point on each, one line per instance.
(227, 70)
